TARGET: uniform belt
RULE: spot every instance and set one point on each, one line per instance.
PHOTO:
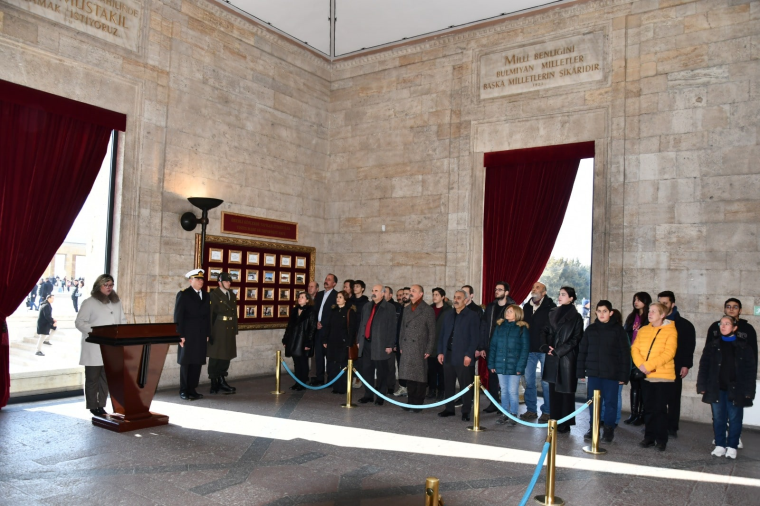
(225, 318)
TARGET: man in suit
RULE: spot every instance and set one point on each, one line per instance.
(192, 314)
(536, 315)
(222, 346)
(470, 301)
(460, 334)
(416, 343)
(376, 336)
(323, 302)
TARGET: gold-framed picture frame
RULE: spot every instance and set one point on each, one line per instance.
(213, 273)
(300, 278)
(284, 278)
(236, 291)
(251, 275)
(253, 258)
(235, 274)
(269, 277)
(283, 294)
(286, 261)
(252, 293)
(267, 294)
(216, 255)
(250, 312)
(268, 312)
(235, 257)
(300, 262)
(283, 311)
(270, 259)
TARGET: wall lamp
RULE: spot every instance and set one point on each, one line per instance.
(189, 221)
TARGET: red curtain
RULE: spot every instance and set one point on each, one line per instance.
(526, 197)
(51, 150)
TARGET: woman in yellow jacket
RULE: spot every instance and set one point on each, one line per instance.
(653, 353)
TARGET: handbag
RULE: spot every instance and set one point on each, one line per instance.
(636, 373)
(353, 350)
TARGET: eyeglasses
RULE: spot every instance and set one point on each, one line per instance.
(732, 307)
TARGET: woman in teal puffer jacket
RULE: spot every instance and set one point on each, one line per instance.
(508, 356)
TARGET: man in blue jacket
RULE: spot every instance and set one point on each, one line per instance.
(460, 334)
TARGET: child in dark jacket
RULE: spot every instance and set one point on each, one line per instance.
(605, 359)
(508, 356)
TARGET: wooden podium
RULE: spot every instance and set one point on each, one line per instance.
(133, 356)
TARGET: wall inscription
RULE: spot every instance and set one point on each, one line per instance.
(561, 62)
(116, 21)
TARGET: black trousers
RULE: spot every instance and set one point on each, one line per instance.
(416, 391)
(561, 405)
(435, 373)
(369, 367)
(95, 386)
(189, 376)
(674, 403)
(401, 382)
(493, 384)
(320, 354)
(217, 368)
(301, 368)
(656, 395)
(465, 375)
(333, 369)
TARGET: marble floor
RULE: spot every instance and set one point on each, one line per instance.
(255, 448)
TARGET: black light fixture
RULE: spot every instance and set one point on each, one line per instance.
(189, 221)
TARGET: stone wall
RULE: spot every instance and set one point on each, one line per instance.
(216, 107)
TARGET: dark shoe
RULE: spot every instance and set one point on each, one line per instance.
(298, 388)
(214, 386)
(444, 413)
(529, 415)
(313, 382)
(406, 409)
(563, 430)
(661, 446)
(608, 434)
(544, 418)
(295, 386)
(336, 392)
(102, 411)
(194, 396)
(630, 419)
(432, 392)
(48, 343)
(95, 412)
(365, 400)
(379, 402)
(646, 443)
(226, 387)
(673, 434)
(317, 383)
(466, 417)
(639, 420)
(490, 409)
(183, 395)
(589, 434)
(40, 354)
(415, 411)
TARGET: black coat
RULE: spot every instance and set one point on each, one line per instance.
(300, 331)
(745, 331)
(358, 303)
(605, 352)
(466, 327)
(399, 313)
(46, 289)
(331, 300)
(45, 319)
(341, 334)
(493, 313)
(741, 392)
(193, 318)
(564, 335)
(383, 330)
(476, 308)
(439, 319)
(687, 341)
(538, 321)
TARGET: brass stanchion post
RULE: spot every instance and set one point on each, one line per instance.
(349, 386)
(549, 497)
(596, 421)
(431, 492)
(277, 368)
(476, 406)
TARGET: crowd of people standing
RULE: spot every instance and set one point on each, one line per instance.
(436, 346)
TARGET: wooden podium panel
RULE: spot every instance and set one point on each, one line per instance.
(133, 358)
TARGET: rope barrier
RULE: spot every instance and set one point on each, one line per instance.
(531, 424)
(536, 474)
(336, 378)
(412, 406)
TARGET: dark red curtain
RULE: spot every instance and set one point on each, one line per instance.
(526, 197)
(51, 150)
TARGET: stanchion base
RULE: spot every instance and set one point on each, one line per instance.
(275, 392)
(599, 451)
(348, 406)
(476, 429)
(541, 499)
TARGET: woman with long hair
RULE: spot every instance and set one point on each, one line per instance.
(508, 357)
(298, 339)
(638, 317)
(340, 327)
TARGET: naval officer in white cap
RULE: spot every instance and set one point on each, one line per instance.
(192, 314)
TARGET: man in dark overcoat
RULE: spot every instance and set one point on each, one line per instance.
(192, 314)
(416, 344)
(376, 336)
(224, 328)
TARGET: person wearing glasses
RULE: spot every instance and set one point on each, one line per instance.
(103, 307)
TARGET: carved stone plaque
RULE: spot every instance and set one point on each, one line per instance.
(117, 21)
(561, 62)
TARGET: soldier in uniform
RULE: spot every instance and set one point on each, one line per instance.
(192, 315)
(224, 328)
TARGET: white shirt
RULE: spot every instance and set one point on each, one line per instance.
(324, 299)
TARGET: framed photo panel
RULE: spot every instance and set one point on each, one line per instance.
(266, 276)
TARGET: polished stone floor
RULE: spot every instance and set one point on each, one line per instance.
(254, 448)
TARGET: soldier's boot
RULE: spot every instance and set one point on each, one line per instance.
(215, 384)
(225, 387)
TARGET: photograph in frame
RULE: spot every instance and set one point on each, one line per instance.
(236, 291)
(213, 273)
(250, 311)
(253, 258)
(270, 259)
(300, 262)
(285, 278)
(284, 294)
(216, 255)
(235, 274)
(235, 257)
(285, 261)
(269, 276)
(283, 311)
(252, 276)
(267, 311)
(300, 278)
(251, 294)
(268, 294)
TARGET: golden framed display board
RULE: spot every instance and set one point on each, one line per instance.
(265, 276)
